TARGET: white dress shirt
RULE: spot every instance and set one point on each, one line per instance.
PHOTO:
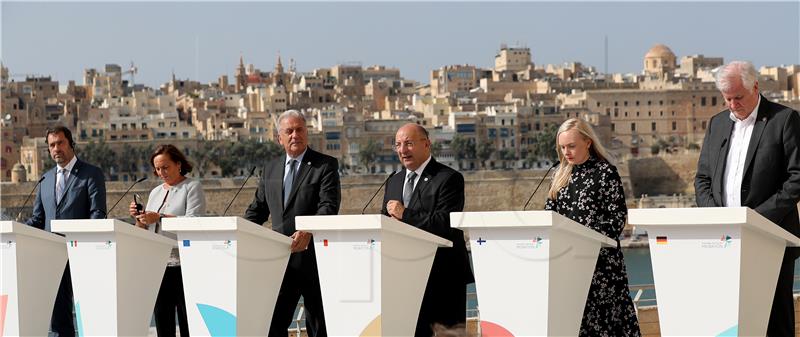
(418, 171)
(734, 165)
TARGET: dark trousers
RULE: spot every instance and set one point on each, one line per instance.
(170, 298)
(61, 321)
(445, 302)
(300, 278)
(781, 318)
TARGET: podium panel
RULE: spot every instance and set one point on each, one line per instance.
(32, 262)
(714, 269)
(232, 271)
(373, 271)
(532, 270)
(117, 270)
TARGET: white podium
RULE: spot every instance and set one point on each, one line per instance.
(33, 263)
(373, 271)
(532, 270)
(232, 271)
(714, 269)
(116, 273)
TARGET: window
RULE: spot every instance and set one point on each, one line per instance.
(702, 101)
(633, 127)
(714, 101)
(674, 126)
(653, 126)
(613, 127)
(704, 125)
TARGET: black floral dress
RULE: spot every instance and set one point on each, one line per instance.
(594, 198)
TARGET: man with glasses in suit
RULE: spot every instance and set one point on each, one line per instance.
(422, 195)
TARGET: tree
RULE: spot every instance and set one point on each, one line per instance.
(368, 153)
(436, 149)
(100, 155)
(204, 156)
(460, 147)
(485, 150)
(507, 154)
(544, 144)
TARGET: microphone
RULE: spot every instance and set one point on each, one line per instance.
(252, 170)
(719, 152)
(379, 189)
(540, 184)
(123, 194)
(19, 216)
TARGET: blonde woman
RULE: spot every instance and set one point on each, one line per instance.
(587, 189)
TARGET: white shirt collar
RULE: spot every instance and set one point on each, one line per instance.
(69, 166)
(299, 158)
(751, 118)
(420, 169)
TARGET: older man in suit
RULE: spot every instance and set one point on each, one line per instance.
(73, 189)
(751, 157)
(303, 182)
(422, 195)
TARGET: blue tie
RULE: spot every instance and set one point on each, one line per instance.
(61, 184)
(287, 182)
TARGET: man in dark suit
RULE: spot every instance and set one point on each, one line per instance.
(422, 195)
(304, 182)
(73, 189)
(751, 158)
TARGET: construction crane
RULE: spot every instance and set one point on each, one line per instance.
(132, 71)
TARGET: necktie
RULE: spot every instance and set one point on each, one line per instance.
(409, 188)
(61, 184)
(287, 181)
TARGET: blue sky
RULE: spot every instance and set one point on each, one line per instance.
(203, 40)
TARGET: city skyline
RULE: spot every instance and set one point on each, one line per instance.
(201, 41)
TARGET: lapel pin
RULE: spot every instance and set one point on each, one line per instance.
(426, 178)
(308, 163)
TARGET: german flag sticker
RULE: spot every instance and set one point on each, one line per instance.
(661, 240)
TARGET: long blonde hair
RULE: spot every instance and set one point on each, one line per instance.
(561, 177)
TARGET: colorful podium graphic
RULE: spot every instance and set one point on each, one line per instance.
(714, 269)
(232, 271)
(373, 270)
(33, 263)
(532, 270)
(116, 273)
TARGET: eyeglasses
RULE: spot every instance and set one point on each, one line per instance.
(409, 144)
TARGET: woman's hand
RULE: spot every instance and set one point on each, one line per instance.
(148, 217)
(132, 210)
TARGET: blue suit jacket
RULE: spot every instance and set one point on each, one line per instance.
(85, 196)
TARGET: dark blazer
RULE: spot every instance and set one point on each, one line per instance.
(771, 180)
(315, 191)
(439, 191)
(85, 196)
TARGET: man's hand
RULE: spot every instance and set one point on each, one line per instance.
(300, 241)
(395, 209)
